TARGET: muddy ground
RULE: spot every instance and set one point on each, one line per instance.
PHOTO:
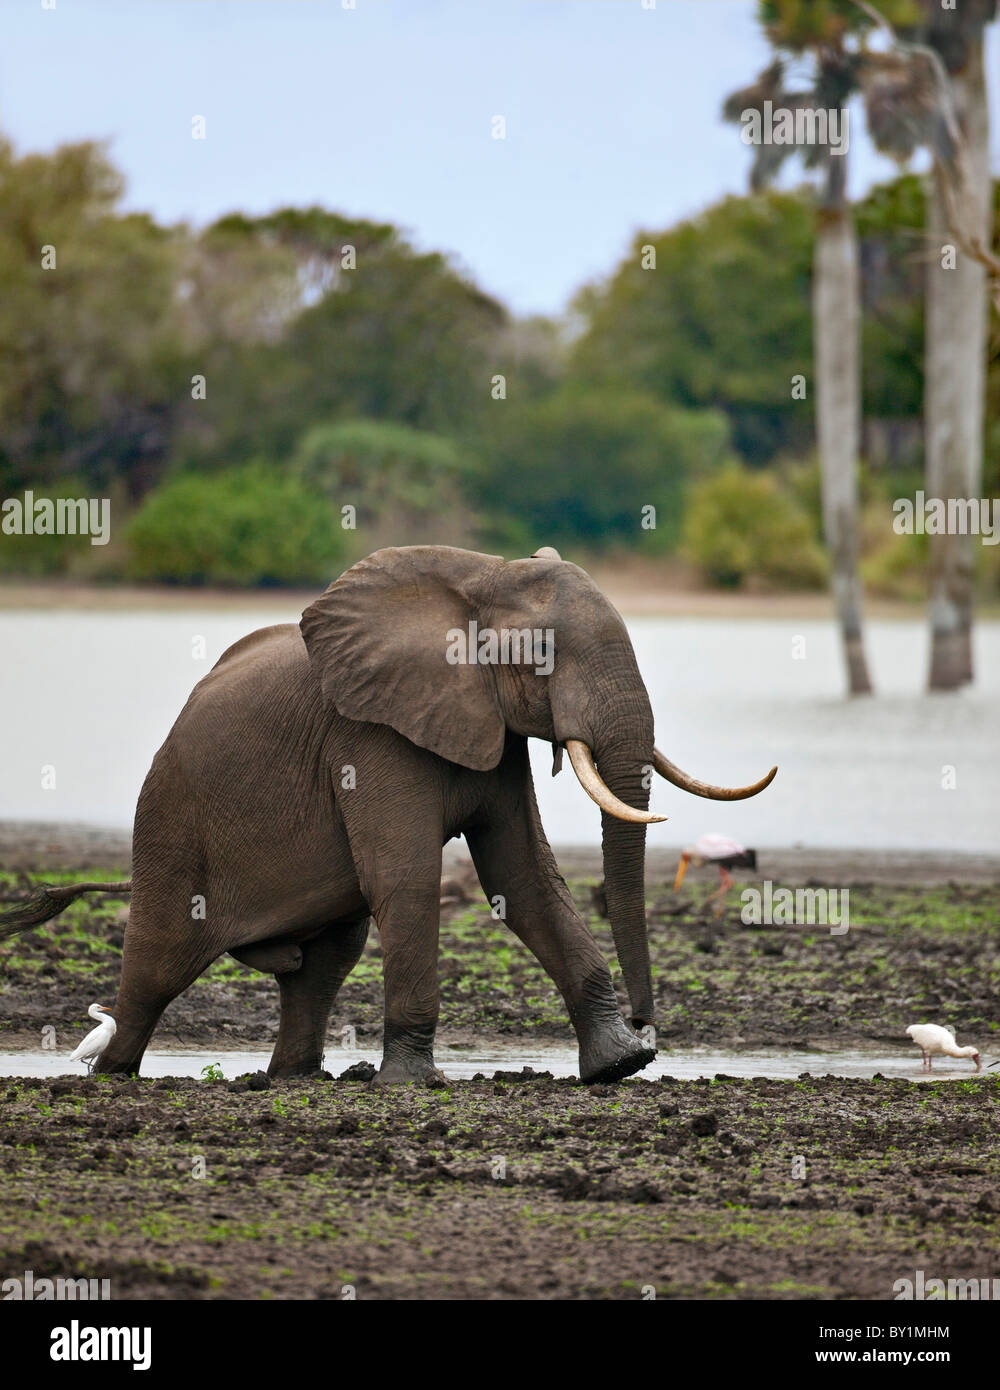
(523, 1187)
(509, 1187)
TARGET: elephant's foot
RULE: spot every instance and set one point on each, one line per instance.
(123, 1055)
(307, 1068)
(408, 1057)
(397, 1073)
(295, 1055)
(128, 1066)
(612, 1052)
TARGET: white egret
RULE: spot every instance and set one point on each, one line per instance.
(97, 1039)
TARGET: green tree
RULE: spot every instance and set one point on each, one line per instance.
(890, 222)
(90, 347)
(580, 466)
(403, 338)
(43, 554)
(248, 525)
(741, 527)
(404, 486)
(346, 320)
(721, 321)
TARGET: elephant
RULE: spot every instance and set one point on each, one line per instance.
(315, 774)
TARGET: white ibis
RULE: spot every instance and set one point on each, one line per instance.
(934, 1040)
(97, 1039)
(721, 850)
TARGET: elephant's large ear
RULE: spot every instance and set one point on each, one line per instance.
(379, 641)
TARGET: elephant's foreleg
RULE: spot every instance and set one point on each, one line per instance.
(515, 863)
(307, 994)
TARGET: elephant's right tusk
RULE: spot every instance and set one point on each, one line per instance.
(680, 779)
(596, 788)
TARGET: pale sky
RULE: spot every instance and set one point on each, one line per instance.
(385, 111)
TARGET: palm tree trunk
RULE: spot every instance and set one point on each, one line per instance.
(954, 386)
(836, 296)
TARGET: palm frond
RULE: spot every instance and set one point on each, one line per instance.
(770, 157)
(906, 107)
(766, 86)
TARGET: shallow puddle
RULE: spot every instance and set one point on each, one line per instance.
(463, 1063)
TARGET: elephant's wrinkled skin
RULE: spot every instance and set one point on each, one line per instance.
(314, 775)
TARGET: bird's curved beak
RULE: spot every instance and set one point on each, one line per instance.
(682, 868)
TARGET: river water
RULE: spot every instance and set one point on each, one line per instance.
(92, 695)
(461, 1064)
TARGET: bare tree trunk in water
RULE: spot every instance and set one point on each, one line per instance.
(954, 386)
(836, 296)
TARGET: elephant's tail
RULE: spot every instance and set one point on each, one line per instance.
(48, 901)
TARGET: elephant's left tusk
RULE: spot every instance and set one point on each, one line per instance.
(596, 788)
(681, 779)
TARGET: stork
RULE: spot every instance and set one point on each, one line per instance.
(721, 850)
(934, 1040)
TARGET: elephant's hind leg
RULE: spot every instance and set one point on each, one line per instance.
(152, 976)
(307, 995)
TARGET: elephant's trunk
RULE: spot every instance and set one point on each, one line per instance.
(623, 767)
